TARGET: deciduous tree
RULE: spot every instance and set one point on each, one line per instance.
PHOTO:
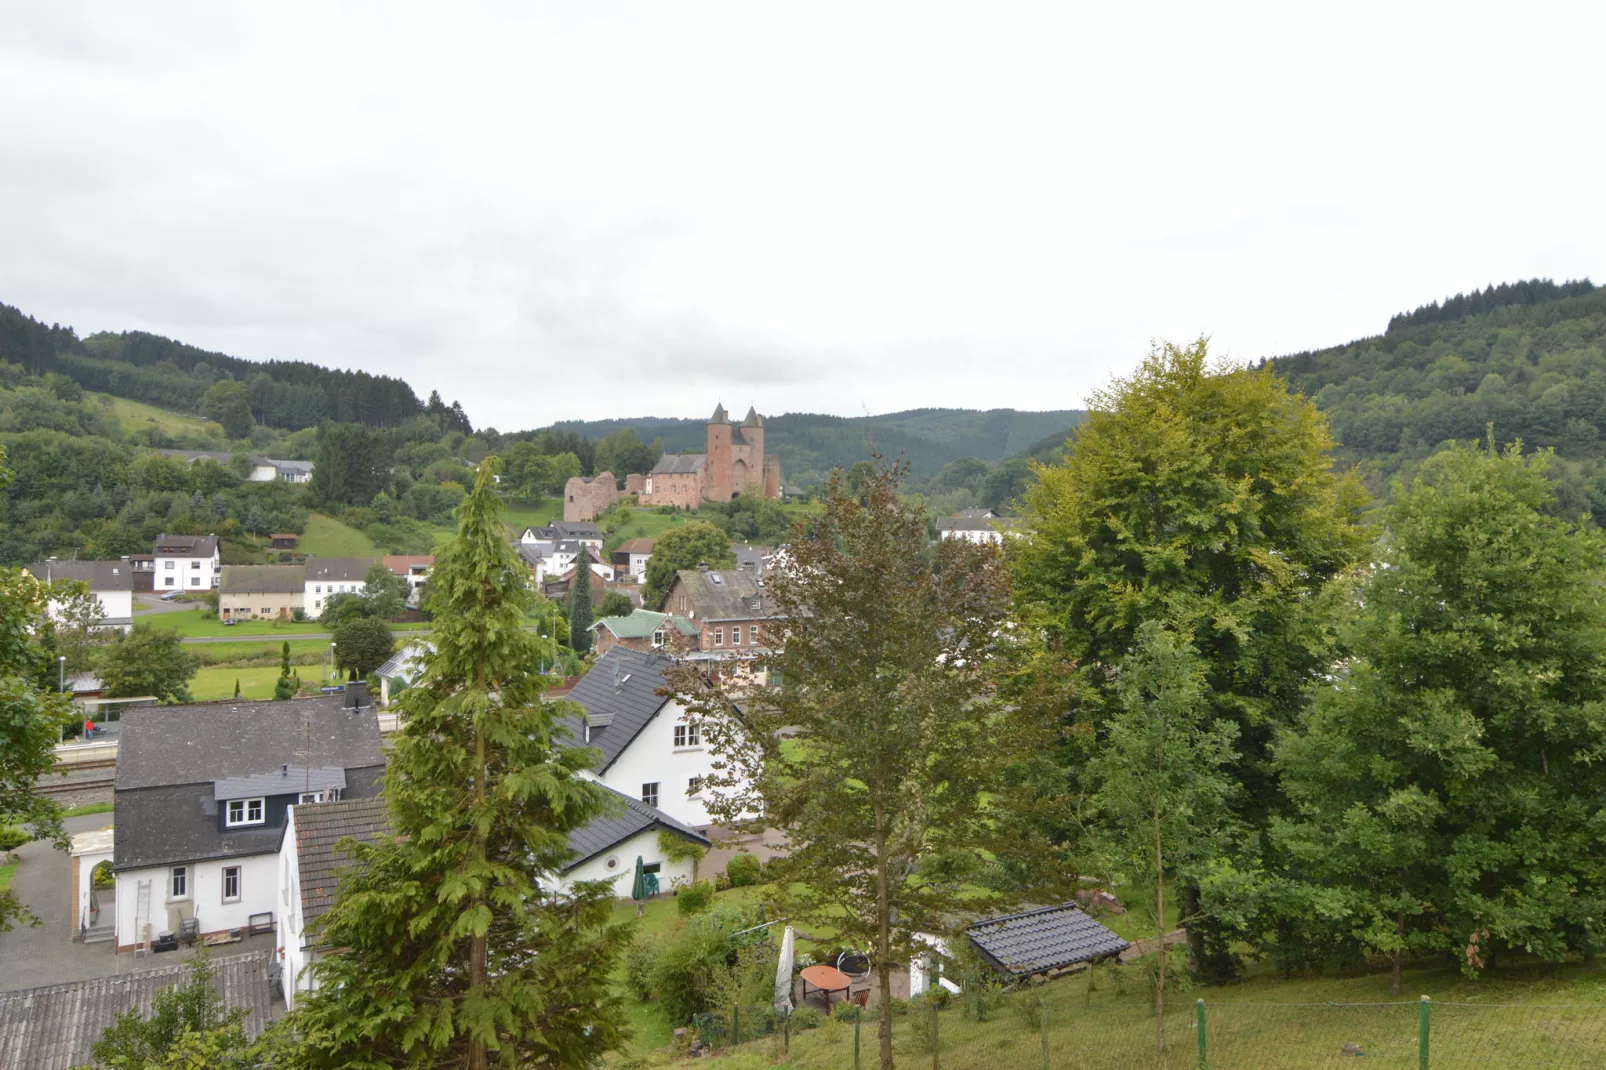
(148, 661)
(693, 543)
(456, 949)
(879, 668)
(362, 644)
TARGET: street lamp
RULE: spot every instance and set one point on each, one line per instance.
(61, 674)
(331, 662)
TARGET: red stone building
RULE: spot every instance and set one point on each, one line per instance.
(734, 465)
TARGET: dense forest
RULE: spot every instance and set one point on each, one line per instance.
(1528, 359)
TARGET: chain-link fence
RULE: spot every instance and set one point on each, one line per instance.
(1050, 1028)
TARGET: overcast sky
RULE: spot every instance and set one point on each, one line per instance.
(583, 210)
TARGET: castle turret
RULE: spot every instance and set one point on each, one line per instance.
(717, 469)
(719, 416)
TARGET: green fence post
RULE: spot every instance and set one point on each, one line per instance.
(1042, 1020)
(1204, 1055)
(1424, 1017)
(858, 1013)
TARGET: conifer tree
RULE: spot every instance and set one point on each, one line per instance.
(456, 950)
(580, 604)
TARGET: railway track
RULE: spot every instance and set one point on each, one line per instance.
(80, 776)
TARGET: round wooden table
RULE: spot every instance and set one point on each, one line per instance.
(827, 979)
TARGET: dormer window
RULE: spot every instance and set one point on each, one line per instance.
(658, 638)
(244, 812)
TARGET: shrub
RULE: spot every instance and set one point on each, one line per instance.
(722, 882)
(679, 849)
(806, 1018)
(696, 898)
(743, 870)
(12, 837)
(845, 1011)
(639, 959)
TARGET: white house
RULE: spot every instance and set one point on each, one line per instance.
(564, 530)
(631, 558)
(202, 792)
(110, 582)
(310, 864)
(650, 750)
(972, 525)
(186, 563)
(333, 575)
(289, 471)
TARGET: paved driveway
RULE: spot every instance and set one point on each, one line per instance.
(31, 956)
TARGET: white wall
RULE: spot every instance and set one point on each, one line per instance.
(259, 892)
(263, 473)
(638, 564)
(975, 536)
(293, 958)
(623, 873)
(315, 593)
(114, 605)
(203, 571)
(653, 756)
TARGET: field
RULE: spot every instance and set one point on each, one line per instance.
(191, 625)
(327, 537)
(134, 415)
(209, 685)
(532, 512)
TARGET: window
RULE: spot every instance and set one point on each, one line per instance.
(170, 565)
(652, 867)
(694, 785)
(657, 638)
(169, 582)
(231, 884)
(195, 581)
(243, 812)
(310, 797)
(266, 610)
(317, 588)
(316, 602)
(719, 636)
(195, 564)
(178, 883)
(736, 635)
(649, 793)
(687, 735)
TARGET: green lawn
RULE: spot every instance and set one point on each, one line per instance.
(209, 685)
(532, 512)
(327, 537)
(91, 808)
(134, 415)
(191, 625)
(7, 871)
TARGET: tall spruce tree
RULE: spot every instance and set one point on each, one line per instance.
(1449, 792)
(1204, 497)
(872, 737)
(580, 613)
(456, 950)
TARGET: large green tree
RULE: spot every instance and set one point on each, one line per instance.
(31, 719)
(691, 544)
(457, 950)
(879, 753)
(229, 403)
(148, 661)
(580, 612)
(1448, 784)
(352, 466)
(362, 644)
(1202, 496)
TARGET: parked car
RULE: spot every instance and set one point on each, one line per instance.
(229, 621)
(170, 596)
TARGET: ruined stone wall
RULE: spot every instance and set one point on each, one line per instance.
(585, 499)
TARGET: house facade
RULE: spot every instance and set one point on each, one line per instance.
(110, 582)
(734, 465)
(414, 568)
(630, 560)
(311, 859)
(324, 576)
(261, 592)
(650, 748)
(645, 631)
(728, 606)
(186, 563)
(201, 794)
(972, 525)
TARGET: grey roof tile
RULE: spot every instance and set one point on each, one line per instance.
(632, 817)
(262, 579)
(620, 695)
(319, 829)
(1048, 938)
(672, 464)
(100, 575)
(54, 1027)
(726, 594)
(282, 781)
(338, 569)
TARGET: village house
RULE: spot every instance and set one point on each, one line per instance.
(186, 562)
(645, 631)
(325, 576)
(630, 560)
(972, 525)
(649, 748)
(263, 469)
(728, 606)
(754, 559)
(261, 592)
(564, 531)
(310, 862)
(734, 465)
(414, 568)
(110, 582)
(201, 793)
(558, 584)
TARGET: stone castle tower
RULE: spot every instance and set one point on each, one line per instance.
(734, 465)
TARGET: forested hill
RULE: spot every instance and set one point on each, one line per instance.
(146, 367)
(810, 445)
(1529, 358)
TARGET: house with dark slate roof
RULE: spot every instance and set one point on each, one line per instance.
(202, 793)
(315, 848)
(111, 583)
(55, 1027)
(729, 607)
(650, 749)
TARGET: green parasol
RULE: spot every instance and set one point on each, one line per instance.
(638, 888)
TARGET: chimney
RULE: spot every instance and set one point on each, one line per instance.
(702, 566)
(356, 695)
(284, 770)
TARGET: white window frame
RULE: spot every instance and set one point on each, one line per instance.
(238, 875)
(178, 884)
(688, 735)
(650, 794)
(246, 806)
(694, 785)
(171, 565)
(658, 638)
(736, 635)
(719, 636)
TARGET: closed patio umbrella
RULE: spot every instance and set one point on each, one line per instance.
(638, 889)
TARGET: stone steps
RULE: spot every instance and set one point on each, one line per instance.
(100, 934)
